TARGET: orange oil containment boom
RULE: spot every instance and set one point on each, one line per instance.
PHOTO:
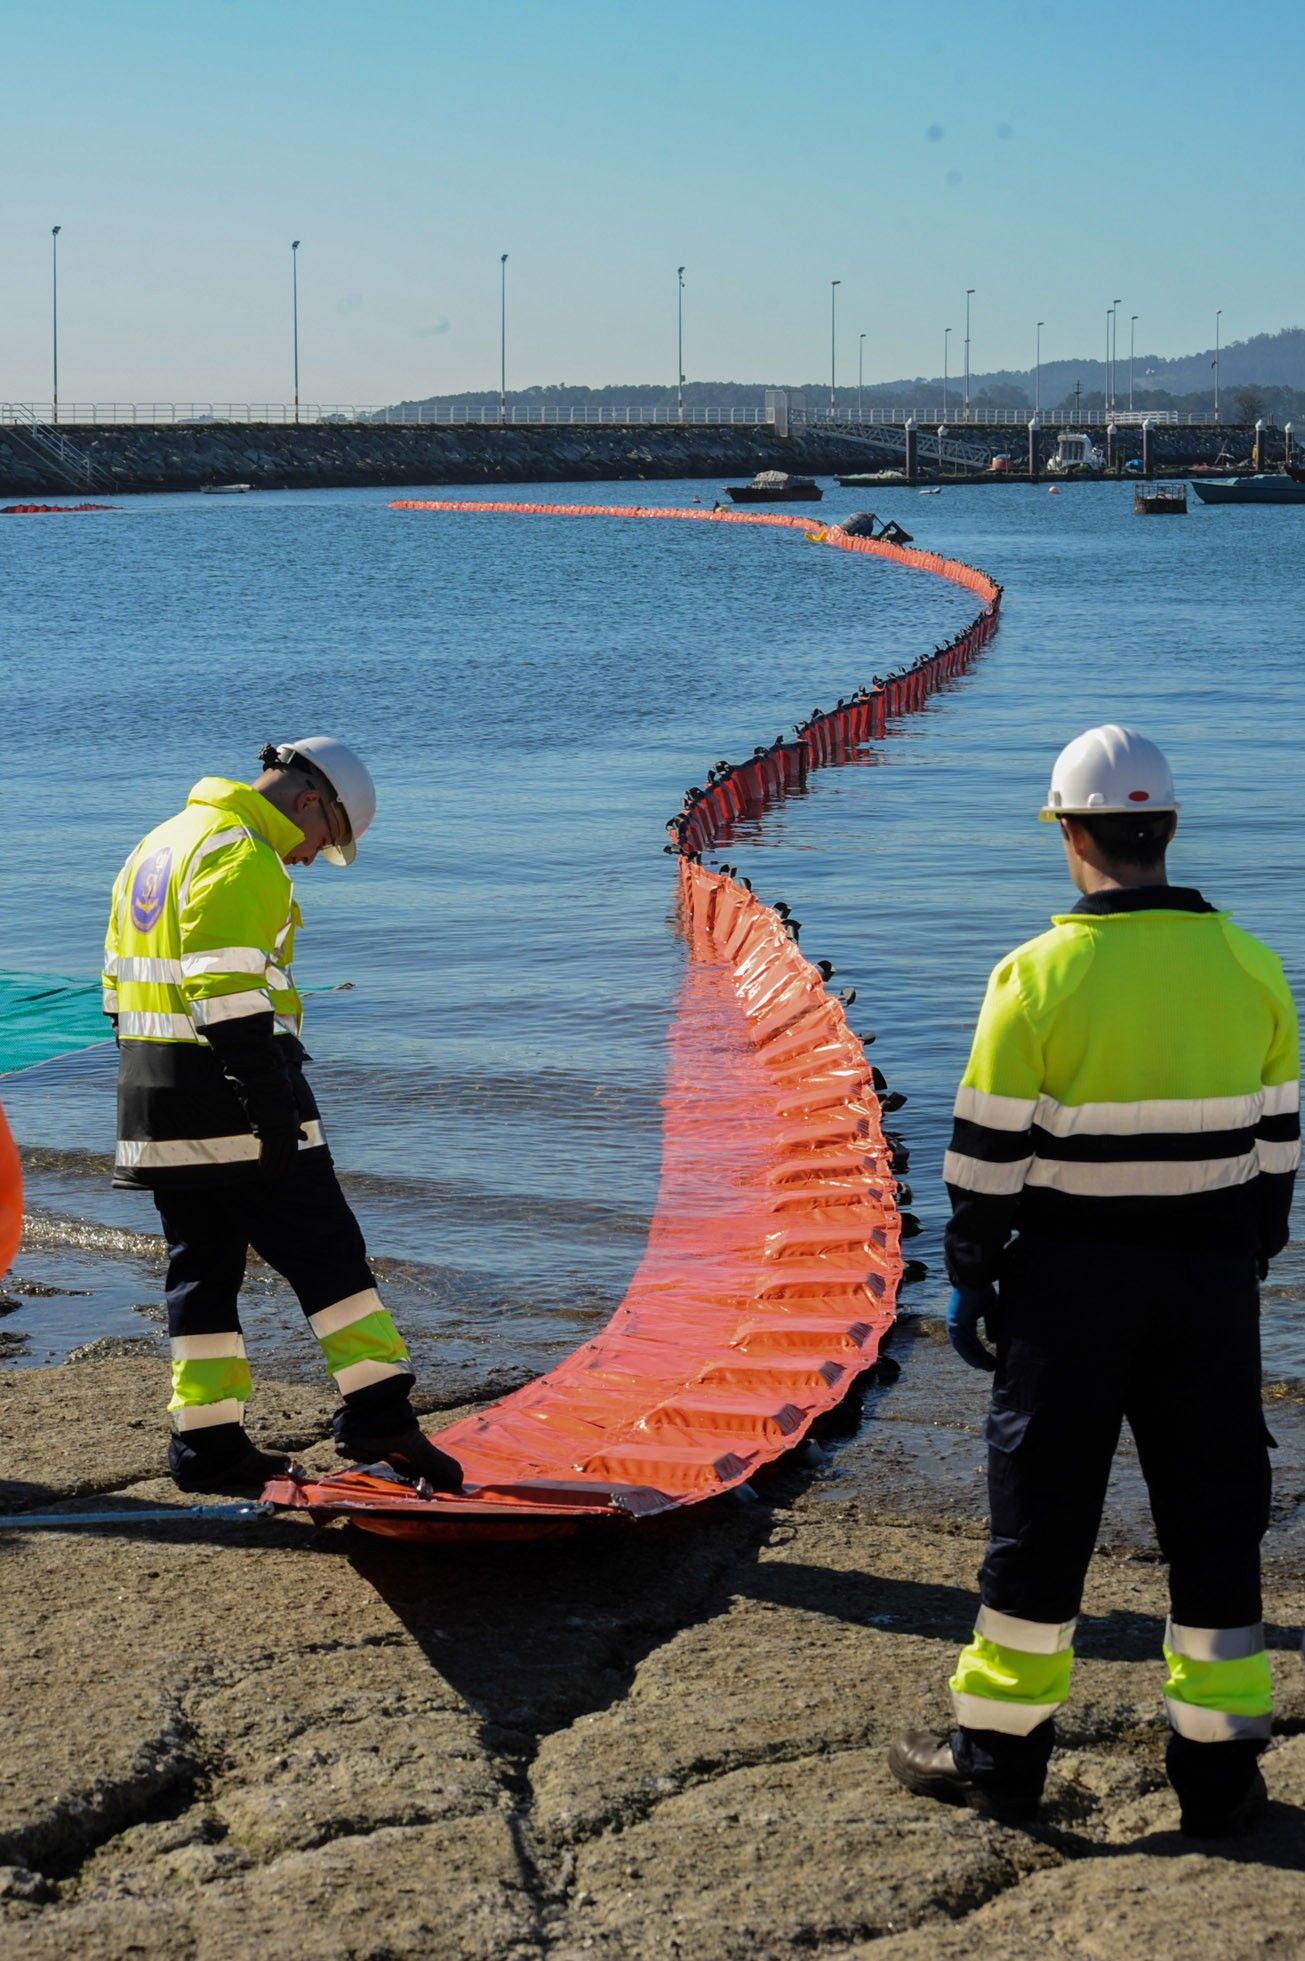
(11, 1198)
(773, 1257)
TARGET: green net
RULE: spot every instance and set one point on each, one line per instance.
(44, 1015)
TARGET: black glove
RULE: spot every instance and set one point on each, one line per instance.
(255, 1065)
(278, 1149)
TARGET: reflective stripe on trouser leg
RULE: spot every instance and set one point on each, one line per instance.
(360, 1343)
(1014, 1674)
(1219, 1686)
(210, 1381)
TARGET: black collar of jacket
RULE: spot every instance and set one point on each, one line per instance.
(1146, 898)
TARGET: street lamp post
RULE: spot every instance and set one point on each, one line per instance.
(679, 343)
(54, 319)
(294, 313)
(1114, 350)
(834, 285)
(1217, 318)
(947, 334)
(502, 336)
(1105, 386)
(860, 372)
(969, 294)
(1037, 370)
(1132, 339)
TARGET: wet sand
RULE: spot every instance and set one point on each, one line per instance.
(238, 1740)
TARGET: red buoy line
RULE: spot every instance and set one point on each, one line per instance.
(773, 1259)
(49, 510)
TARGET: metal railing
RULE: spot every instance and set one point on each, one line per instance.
(439, 414)
(445, 414)
(53, 450)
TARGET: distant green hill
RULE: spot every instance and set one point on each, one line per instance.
(1273, 365)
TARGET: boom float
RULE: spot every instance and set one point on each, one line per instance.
(771, 1270)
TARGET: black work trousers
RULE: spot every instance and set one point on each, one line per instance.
(303, 1227)
(1091, 1335)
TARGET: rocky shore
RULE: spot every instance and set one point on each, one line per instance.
(231, 1741)
(274, 456)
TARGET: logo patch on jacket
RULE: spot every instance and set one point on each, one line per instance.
(149, 888)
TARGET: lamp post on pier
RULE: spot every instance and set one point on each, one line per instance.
(947, 334)
(1218, 316)
(502, 336)
(969, 295)
(860, 373)
(679, 343)
(1037, 369)
(294, 314)
(1114, 351)
(1132, 338)
(54, 319)
(834, 285)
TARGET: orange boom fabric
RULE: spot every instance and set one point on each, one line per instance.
(11, 1197)
(773, 1257)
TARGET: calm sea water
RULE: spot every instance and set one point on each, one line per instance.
(533, 695)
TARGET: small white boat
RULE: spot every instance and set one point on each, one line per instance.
(223, 489)
(1076, 456)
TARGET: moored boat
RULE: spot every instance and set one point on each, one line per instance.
(776, 487)
(1264, 489)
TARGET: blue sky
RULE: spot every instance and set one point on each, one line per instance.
(1052, 156)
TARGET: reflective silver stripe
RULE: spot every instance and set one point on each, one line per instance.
(171, 1153)
(208, 1348)
(230, 1007)
(277, 977)
(138, 967)
(1027, 1637)
(978, 1175)
(1214, 1725)
(157, 1027)
(1181, 1115)
(205, 849)
(1214, 1643)
(109, 1000)
(1142, 1177)
(110, 967)
(343, 1314)
(1281, 1099)
(1277, 1157)
(206, 1416)
(290, 1023)
(361, 1375)
(994, 1112)
(1011, 1718)
(225, 960)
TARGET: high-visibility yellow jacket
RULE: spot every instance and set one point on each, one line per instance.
(197, 979)
(1135, 1071)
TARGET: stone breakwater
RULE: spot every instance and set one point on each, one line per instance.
(339, 455)
(276, 456)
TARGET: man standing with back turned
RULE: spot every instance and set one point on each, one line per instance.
(1132, 1108)
(216, 1118)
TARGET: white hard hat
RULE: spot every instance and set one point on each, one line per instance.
(349, 777)
(1105, 772)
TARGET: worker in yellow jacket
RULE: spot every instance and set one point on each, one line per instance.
(1131, 1112)
(216, 1118)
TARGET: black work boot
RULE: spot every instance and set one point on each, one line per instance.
(1220, 1786)
(396, 1437)
(226, 1462)
(928, 1766)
